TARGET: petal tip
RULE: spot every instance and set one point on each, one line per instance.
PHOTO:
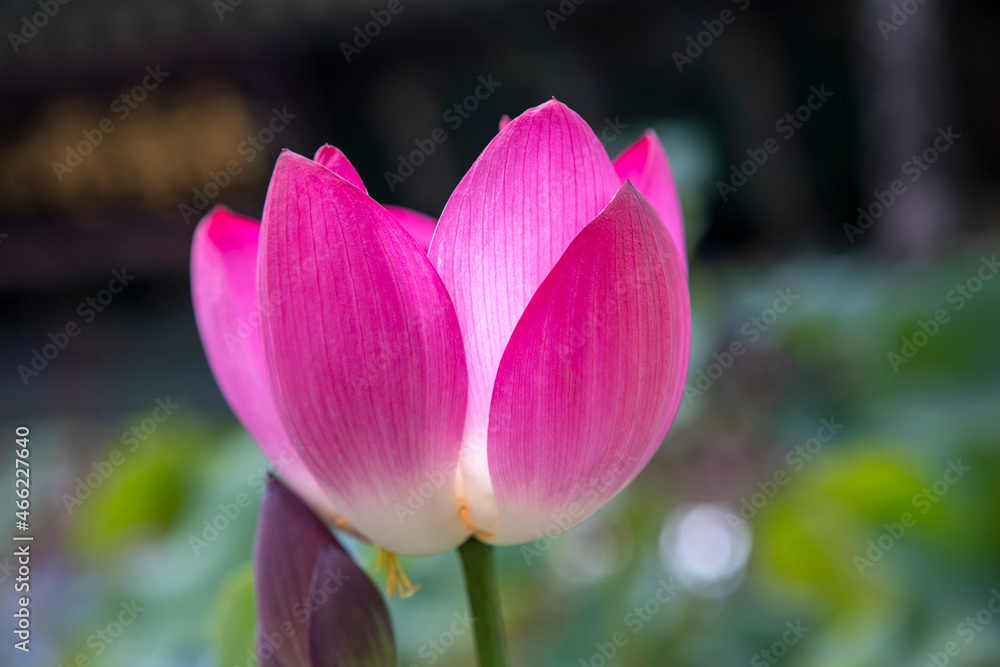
(224, 229)
(278, 492)
(336, 161)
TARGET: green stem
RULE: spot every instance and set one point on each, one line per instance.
(484, 602)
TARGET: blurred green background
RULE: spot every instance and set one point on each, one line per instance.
(819, 501)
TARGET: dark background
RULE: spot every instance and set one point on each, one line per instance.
(230, 66)
(605, 60)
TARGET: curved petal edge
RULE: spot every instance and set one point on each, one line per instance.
(593, 374)
(645, 163)
(364, 357)
(541, 179)
(224, 294)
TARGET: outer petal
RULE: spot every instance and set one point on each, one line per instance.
(364, 357)
(350, 625)
(537, 184)
(645, 163)
(265, 653)
(419, 225)
(334, 159)
(315, 607)
(224, 292)
(593, 375)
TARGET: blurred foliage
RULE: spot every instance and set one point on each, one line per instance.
(825, 357)
(165, 528)
(233, 619)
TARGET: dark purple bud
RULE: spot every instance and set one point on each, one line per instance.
(315, 606)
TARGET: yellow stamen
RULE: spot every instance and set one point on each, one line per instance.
(396, 580)
(463, 515)
(340, 523)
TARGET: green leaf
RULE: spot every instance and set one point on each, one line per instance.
(233, 619)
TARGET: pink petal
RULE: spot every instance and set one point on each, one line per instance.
(504, 121)
(419, 225)
(224, 292)
(593, 375)
(364, 357)
(537, 184)
(645, 163)
(334, 159)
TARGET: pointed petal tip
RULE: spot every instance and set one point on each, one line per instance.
(336, 161)
(217, 209)
(536, 185)
(551, 105)
(280, 501)
(214, 216)
(648, 135)
(292, 165)
(225, 229)
(224, 296)
(282, 576)
(280, 491)
(288, 155)
(546, 109)
(646, 164)
(622, 286)
(389, 379)
(275, 485)
(346, 622)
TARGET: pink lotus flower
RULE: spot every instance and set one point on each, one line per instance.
(224, 292)
(506, 383)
